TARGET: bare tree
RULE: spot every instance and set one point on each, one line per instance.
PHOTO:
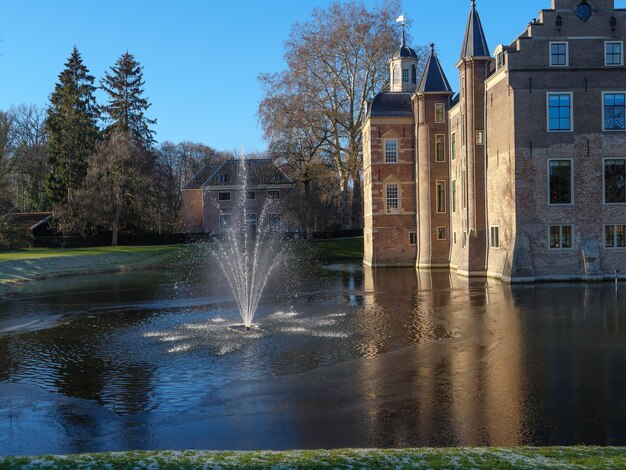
(6, 135)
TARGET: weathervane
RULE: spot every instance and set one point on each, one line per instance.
(402, 20)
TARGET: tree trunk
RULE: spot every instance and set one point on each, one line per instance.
(116, 225)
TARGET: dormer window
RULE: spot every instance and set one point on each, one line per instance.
(559, 54)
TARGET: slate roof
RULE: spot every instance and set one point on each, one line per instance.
(474, 42)
(392, 105)
(433, 77)
(261, 172)
(404, 52)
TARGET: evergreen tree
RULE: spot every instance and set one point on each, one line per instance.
(72, 129)
(126, 107)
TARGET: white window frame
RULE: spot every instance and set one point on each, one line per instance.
(445, 232)
(480, 137)
(610, 204)
(564, 204)
(604, 93)
(566, 64)
(494, 229)
(443, 150)
(560, 248)
(440, 108)
(413, 238)
(406, 74)
(397, 156)
(443, 194)
(621, 61)
(571, 110)
(394, 210)
(614, 247)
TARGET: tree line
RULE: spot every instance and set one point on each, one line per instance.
(96, 166)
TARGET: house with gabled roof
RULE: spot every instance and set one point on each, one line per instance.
(210, 196)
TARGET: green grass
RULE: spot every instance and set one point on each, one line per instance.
(341, 249)
(456, 458)
(38, 253)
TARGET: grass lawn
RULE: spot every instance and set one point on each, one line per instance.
(456, 458)
(38, 253)
(340, 249)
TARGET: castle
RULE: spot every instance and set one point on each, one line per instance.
(521, 175)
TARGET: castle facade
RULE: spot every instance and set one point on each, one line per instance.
(520, 175)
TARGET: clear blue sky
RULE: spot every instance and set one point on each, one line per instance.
(201, 58)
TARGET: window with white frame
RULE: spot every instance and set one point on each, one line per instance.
(391, 151)
(392, 198)
(440, 148)
(453, 146)
(560, 182)
(273, 194)
(225, 222)
(479, 137)
(560, 236)
(559, 112)
(223, 196)
(453, 195)
(440, 113)
(614, 53)
(559, 54)
(494, 237)
(440, 197)
(614, 180)
(613, 111)
(442, 233)
(615, 236)
(405, 75)
(413, 238)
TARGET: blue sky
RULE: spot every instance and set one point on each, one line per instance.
(201, 58)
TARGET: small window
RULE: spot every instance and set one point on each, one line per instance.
(392, 198)
(413, 74)
(453, 146)
(251, 195)
(479, 137)
(413, 238)
(442, 233)
(500, 60)
(453, 195)
(273, 194)
(613, 53)
(495, 237)
(441, 197)
(560, 236)
(223, 196)
(405, 75)
(225, 222)
(440, 115)
(559, 55)
(463, 133)
(440, 148)
(251, 219)
(560, 181)
(391, 151)
(614, 111)
(615, 236)
(274, 221)
(224, 179)
(464, 189)
(454, 237)
(614, 180)
(559, 112)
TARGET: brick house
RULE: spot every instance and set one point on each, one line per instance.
(521, 175)
(210, 197)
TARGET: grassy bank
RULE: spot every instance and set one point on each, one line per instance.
(340, 249)
(29, 265)
(479, 458)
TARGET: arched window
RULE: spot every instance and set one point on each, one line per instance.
(413, 74)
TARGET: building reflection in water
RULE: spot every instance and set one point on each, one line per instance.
(464, 392)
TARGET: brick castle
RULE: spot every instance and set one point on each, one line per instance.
(521, 175)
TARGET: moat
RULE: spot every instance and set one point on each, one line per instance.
(347, 357)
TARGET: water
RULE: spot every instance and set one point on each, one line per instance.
(354, 358)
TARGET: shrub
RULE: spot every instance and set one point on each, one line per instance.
(12, 238)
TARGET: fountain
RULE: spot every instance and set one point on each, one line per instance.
(250, 249)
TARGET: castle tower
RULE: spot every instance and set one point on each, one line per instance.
(431, 105)
(403, 66)
(469, 255)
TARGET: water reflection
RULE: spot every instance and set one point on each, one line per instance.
(355, 357)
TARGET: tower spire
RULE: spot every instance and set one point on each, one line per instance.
(402, 20)
(474, 42)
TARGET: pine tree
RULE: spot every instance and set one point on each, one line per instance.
(72, 128)
(126, 106)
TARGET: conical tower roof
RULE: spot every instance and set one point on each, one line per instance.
(474, 42)
(433, 78)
